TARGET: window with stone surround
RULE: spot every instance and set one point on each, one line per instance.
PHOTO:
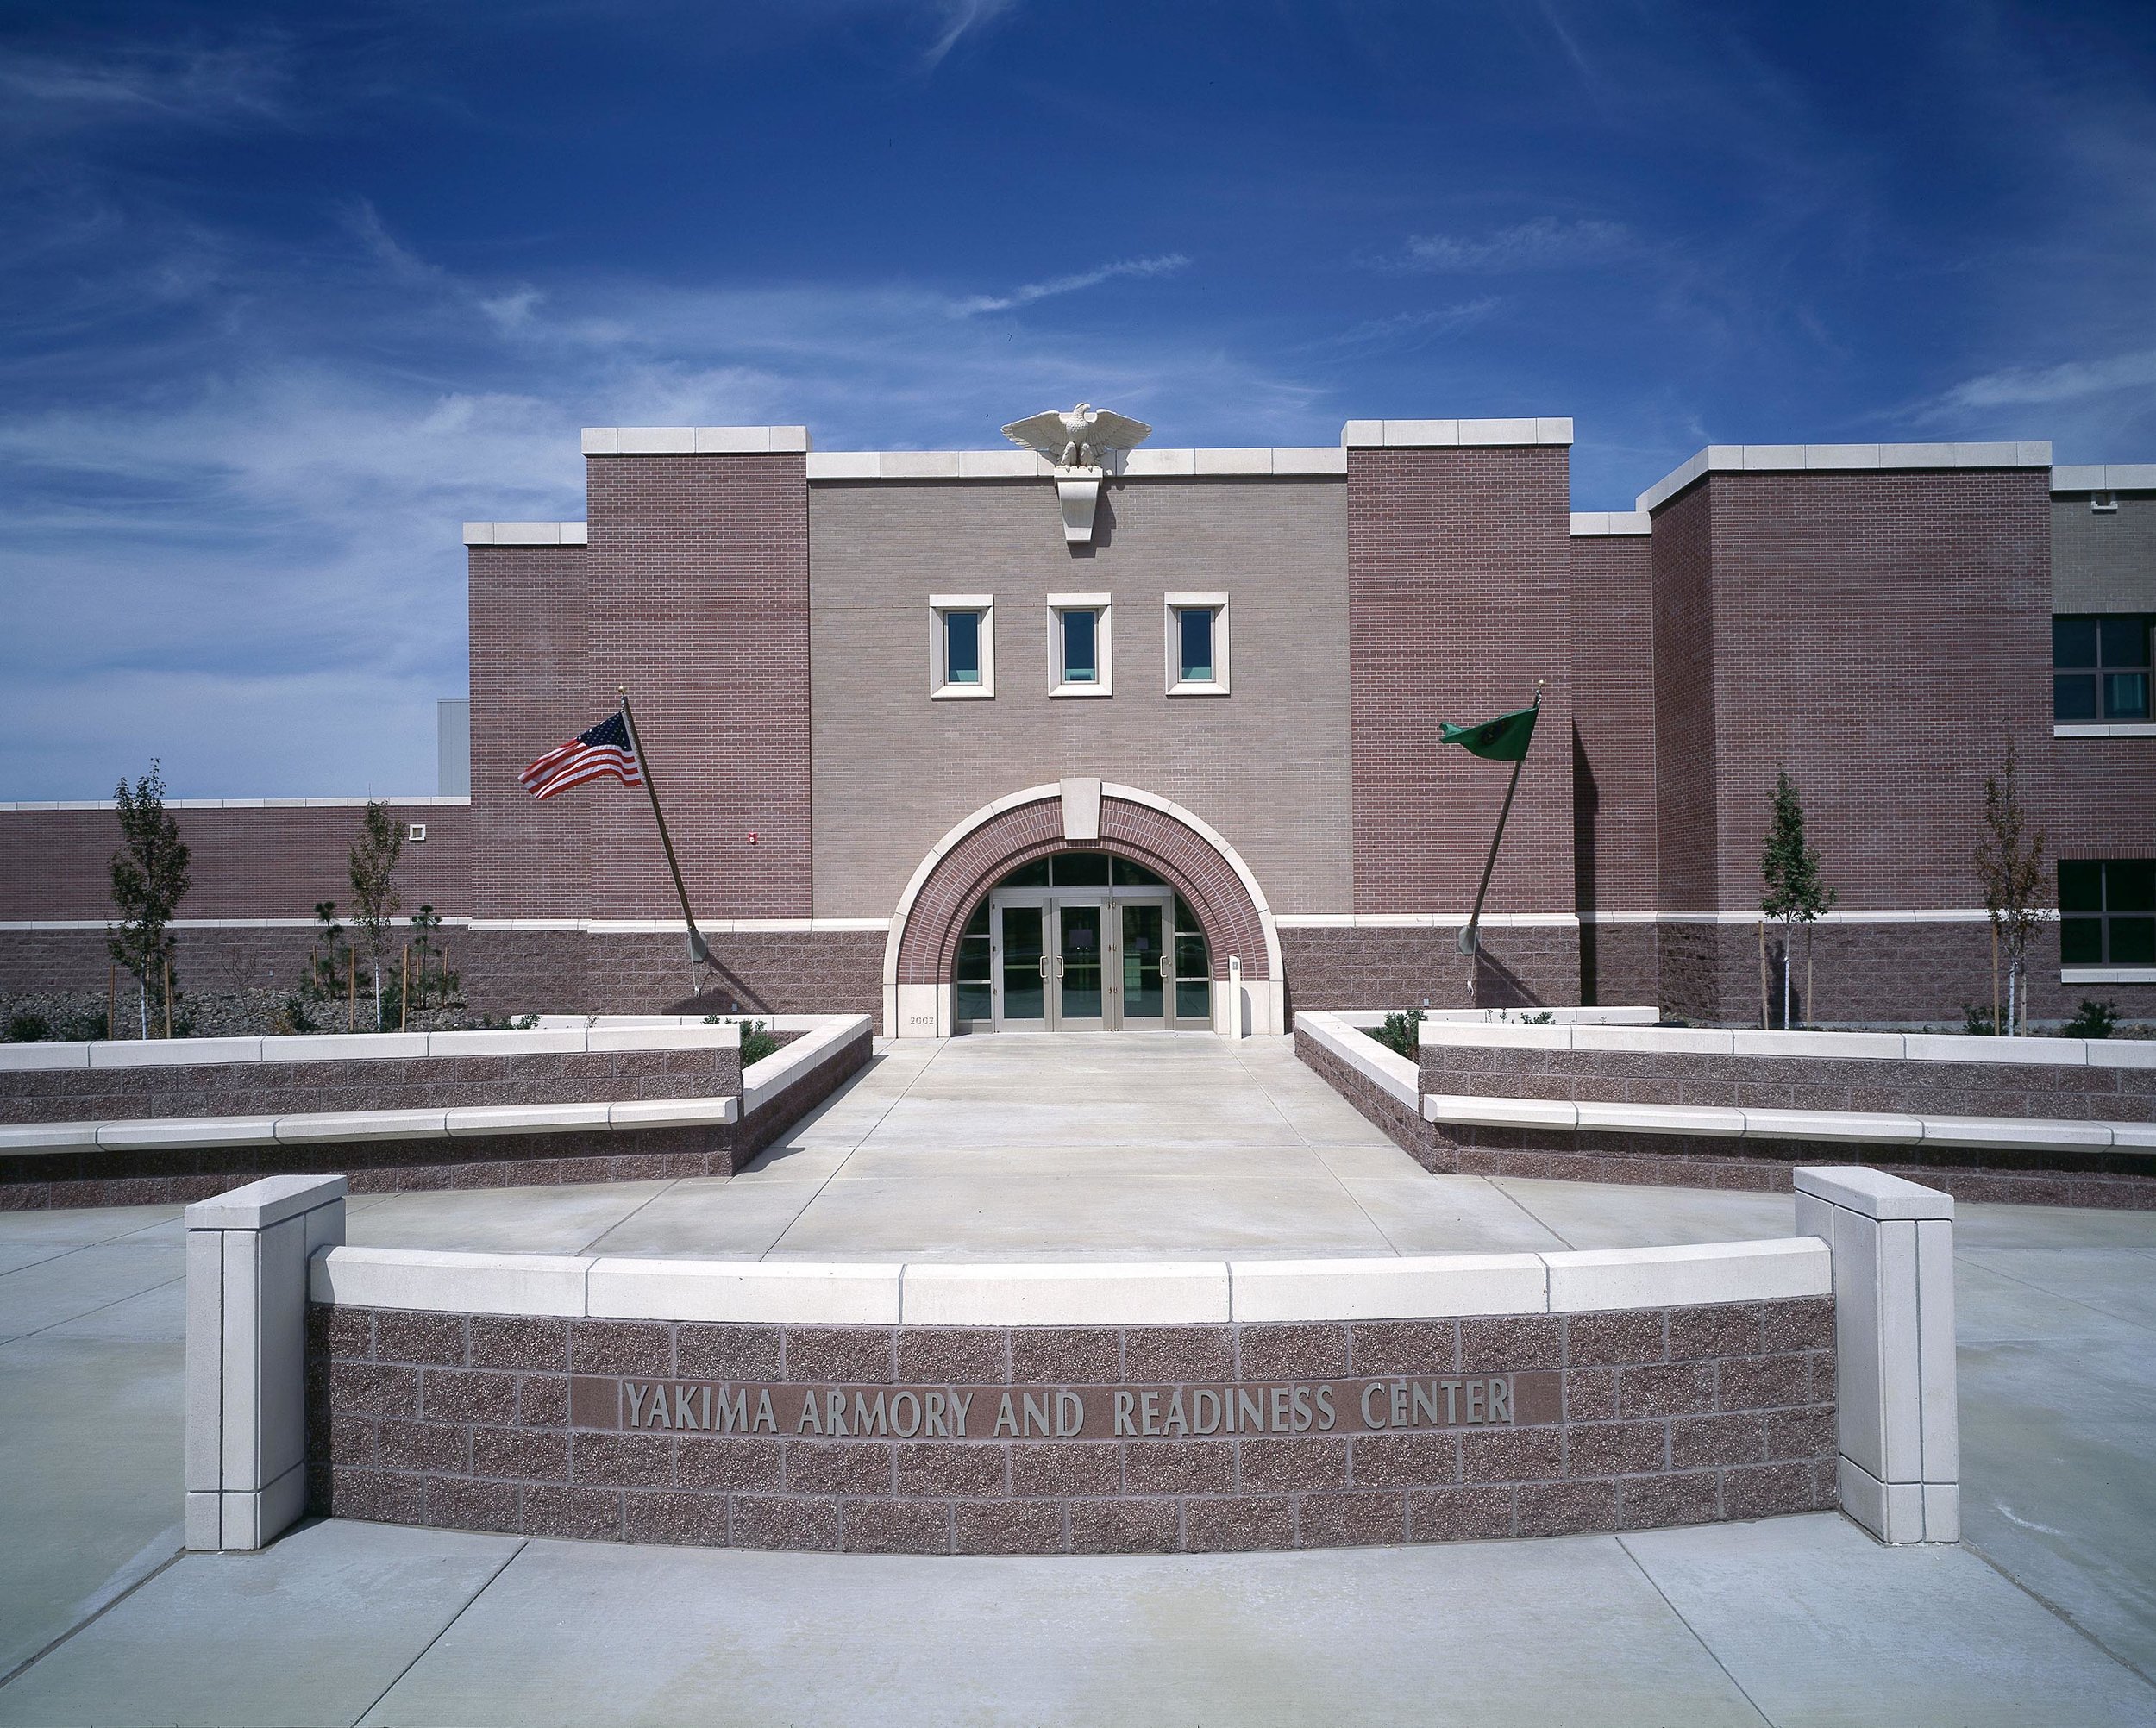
(961, 660)
(1197, 643)
(2100, 667)
(1081, 658)
(2107, 909)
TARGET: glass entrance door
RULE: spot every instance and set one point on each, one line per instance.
(1080, 966)
(1082, 942)
(1024, 967)
(1145, 993)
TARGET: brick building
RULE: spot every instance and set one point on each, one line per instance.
(929, 750)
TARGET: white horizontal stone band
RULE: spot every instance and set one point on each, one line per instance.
(1451, 433)
(675, 926)
(1758, 459)
(1592, 523)
(2113, 728)
(1023, 465)
(1046, 1293)
(2104, 477)
(576, 1037)
(319, 1127)
(1394, 1075)
(693, 441)
(247, 804)
(1422, 920)
(1717, 1040)
(526, 534)
(1732, 1123)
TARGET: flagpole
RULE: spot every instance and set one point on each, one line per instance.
(699, 950)
(1469, 939)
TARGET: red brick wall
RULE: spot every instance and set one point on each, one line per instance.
(698, 571)
(1684, 711)
(1882, 634)
(245, 863)
(1612, 740)
(528, 694)
(1458, 568)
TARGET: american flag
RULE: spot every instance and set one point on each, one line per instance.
(604, 749)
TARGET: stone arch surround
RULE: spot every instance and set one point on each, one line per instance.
(1185, 851)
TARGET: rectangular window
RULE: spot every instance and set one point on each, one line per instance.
(1197, 638)
(2106, 910)
(1081, 647)
(962, 646)
(2100, 667)
(1080, 656)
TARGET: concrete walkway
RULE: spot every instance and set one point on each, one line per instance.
(1094, 1146)
(2044, 1614)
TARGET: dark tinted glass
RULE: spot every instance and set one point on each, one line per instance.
(2073, 641)
(2132, 942)
(977, 925)
(2125, 641)
(2130, 884)
(1034, 875)
(1130, 875)
(2126, 696)
(1197, 644)
(2081, 941)
(962, 648)
(2080, 886)
(2073, 696)
(1081, 661)
(1082, 870)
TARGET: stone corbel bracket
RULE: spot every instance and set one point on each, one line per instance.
(1078, 491)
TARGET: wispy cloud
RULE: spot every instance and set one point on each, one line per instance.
(1401, 332)
(1545, 243)
(47, 94)
(2069, 381)
(1164, 265)
(960, 16)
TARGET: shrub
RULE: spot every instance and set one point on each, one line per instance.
(1399, 1033)
(29, 1027)
(2092, 1020)
(756, 1043)
(1977, 1022)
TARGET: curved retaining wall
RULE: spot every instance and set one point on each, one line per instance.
(947, 1408)
(1083, 1439)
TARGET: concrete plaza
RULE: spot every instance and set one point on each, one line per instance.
(1126, 1147)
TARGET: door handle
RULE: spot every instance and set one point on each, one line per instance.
(1043, 966)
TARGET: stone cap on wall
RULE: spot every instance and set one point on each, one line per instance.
(1783, 459)
(1724, 1041)
(1079, 1293)
(694, 440)
(346, 1046)
(2104, 477)
(526, 534)
(1444, 434)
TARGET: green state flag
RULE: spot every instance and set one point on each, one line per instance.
(1501, 740)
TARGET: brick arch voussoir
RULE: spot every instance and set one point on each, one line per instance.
(1176, 853)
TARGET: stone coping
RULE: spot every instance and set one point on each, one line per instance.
(317, 1128)
(763, 1083)
(577, 1036)
(1782, 458)
(1046, 1293)
(1722, 1041)
(1856, 1127)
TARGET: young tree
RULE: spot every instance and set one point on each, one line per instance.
(374, 897)
(149, 878)
(2010, 866)
(1796, 892)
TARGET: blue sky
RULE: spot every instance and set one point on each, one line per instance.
(291, 290)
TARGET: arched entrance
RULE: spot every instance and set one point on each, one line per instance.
(1187, 857)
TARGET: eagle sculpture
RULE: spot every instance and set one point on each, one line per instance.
(1077, 440)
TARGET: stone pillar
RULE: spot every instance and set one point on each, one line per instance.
(1893, 1243)
(248, 1254)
